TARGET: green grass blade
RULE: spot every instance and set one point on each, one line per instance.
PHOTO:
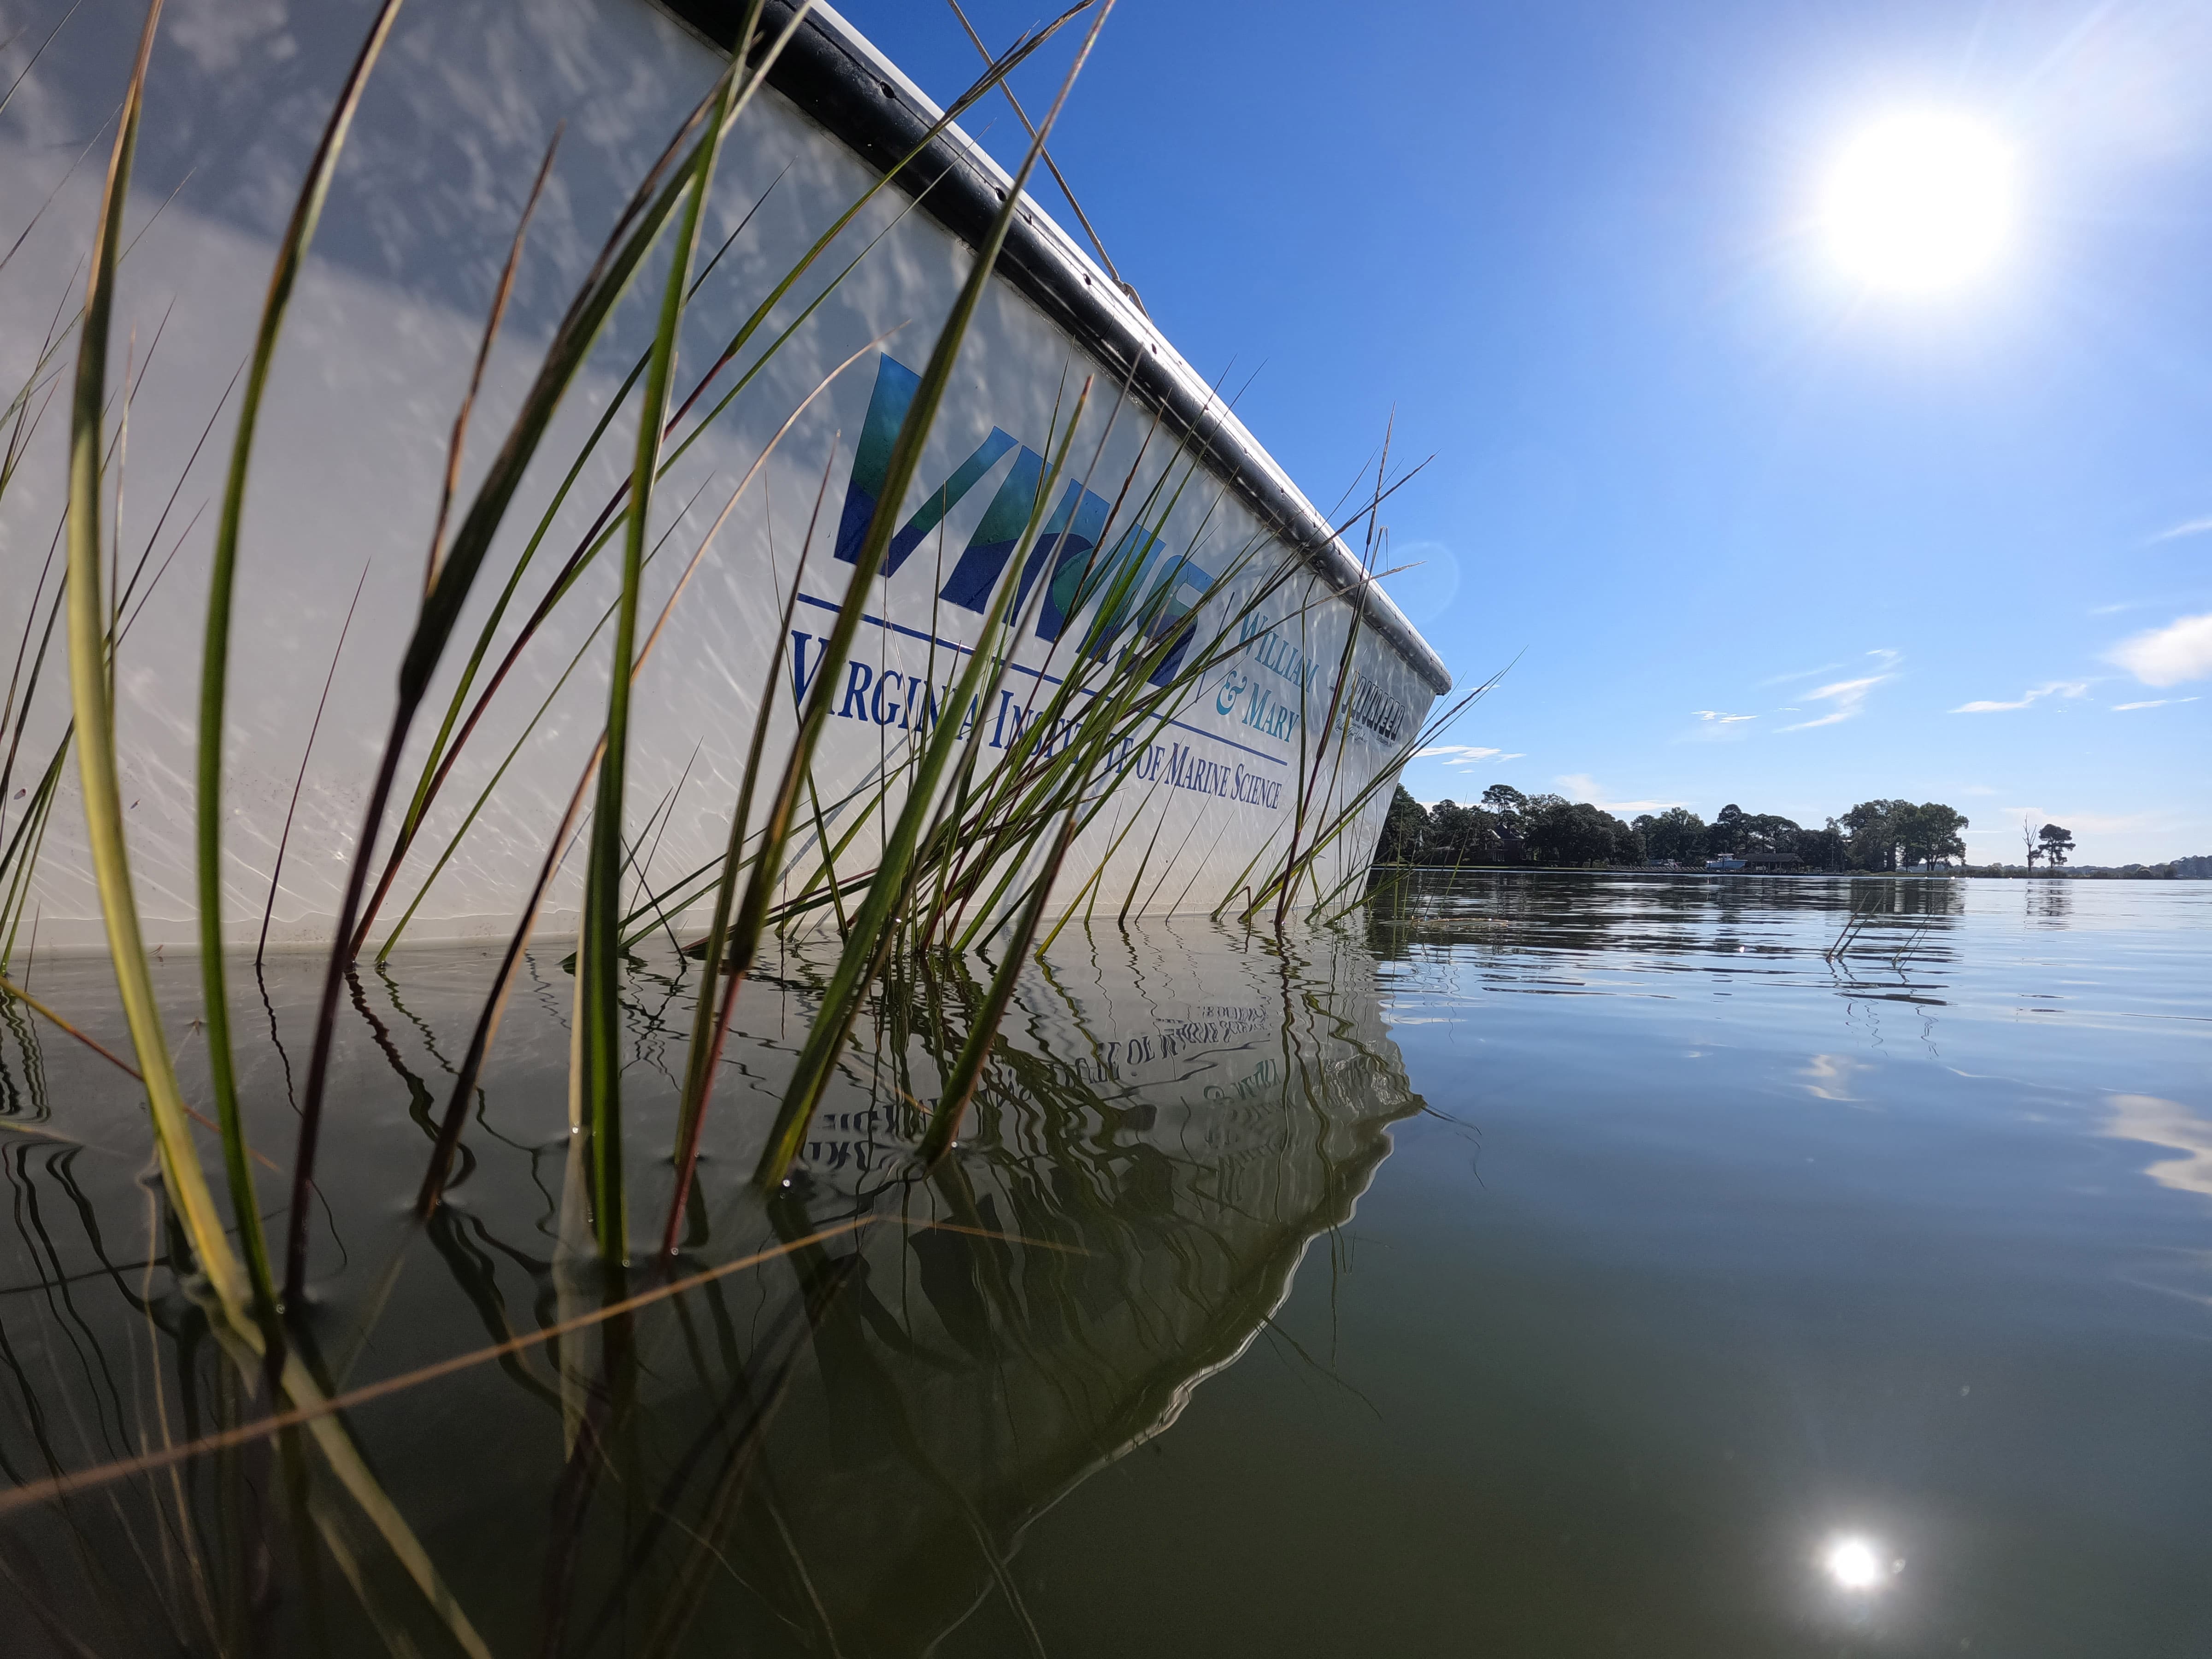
(872, 930)
(633, 237)
(501, 292)
(22, 857)
(968, 1068)
(483, 796)
(494, 1003)
(600, 958)
(95, 725)
(439, 761)
(453, 842)
(710, 1020)
(300, 780)
(215, 662)
(229, 1288)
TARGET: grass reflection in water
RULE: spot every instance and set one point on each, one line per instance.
(828, 1424)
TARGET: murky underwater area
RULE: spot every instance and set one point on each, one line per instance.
(1535, 1264)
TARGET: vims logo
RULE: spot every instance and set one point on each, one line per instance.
(1066, 546)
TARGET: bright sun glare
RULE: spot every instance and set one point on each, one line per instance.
(1920, 201)
(1854, 1564)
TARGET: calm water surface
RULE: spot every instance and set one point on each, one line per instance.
(1706, 1257)
(1545, 1265)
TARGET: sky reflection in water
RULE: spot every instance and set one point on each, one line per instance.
(1728, 1301)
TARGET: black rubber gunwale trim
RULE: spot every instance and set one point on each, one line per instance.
(832, 78)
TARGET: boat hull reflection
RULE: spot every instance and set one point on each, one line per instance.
(836, 1450)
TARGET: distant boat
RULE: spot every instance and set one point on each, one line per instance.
(375, 359)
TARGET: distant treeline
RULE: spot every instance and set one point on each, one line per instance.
(1507, 827)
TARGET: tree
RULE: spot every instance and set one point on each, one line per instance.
(2057, 841)
(1928, 832)
(1676, 834)
(1447, 834)
(1821, 849)
(1461, 834)
(1508, 827)
(1508, 811)
(1874, 826)
(1627, 845)
(2027, 828)
(1725, 833)
(1767, 832)
(1560, 832)
(1404, 829)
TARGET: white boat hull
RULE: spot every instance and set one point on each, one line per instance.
(352, 449)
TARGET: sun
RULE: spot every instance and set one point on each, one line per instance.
(1854, 1564)
(1920, 202)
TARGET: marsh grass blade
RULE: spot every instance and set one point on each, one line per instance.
(495, 1002)
(229, 1289)
(633, 237)
(841, 1004)
(215, 662)
(501, 294)
(968, 1068)
(874, 924)
(298, 782)
(445, 745)
(95, 724)
(599, 962)
(711, 1013)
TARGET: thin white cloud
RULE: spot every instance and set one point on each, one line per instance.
(1716, 726)
(2154, 702)
(2182, 650)
(1463, 755)
(1845, 699)
(1800, 674)
(1580, 786)
(2187, 527)
(2049, 688)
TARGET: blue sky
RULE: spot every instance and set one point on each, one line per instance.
(1687, 466)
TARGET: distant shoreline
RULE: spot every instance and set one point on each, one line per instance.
(1981, 872)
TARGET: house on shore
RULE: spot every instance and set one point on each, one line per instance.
(1768, 864)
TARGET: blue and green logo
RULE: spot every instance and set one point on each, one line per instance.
(1067, 546)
